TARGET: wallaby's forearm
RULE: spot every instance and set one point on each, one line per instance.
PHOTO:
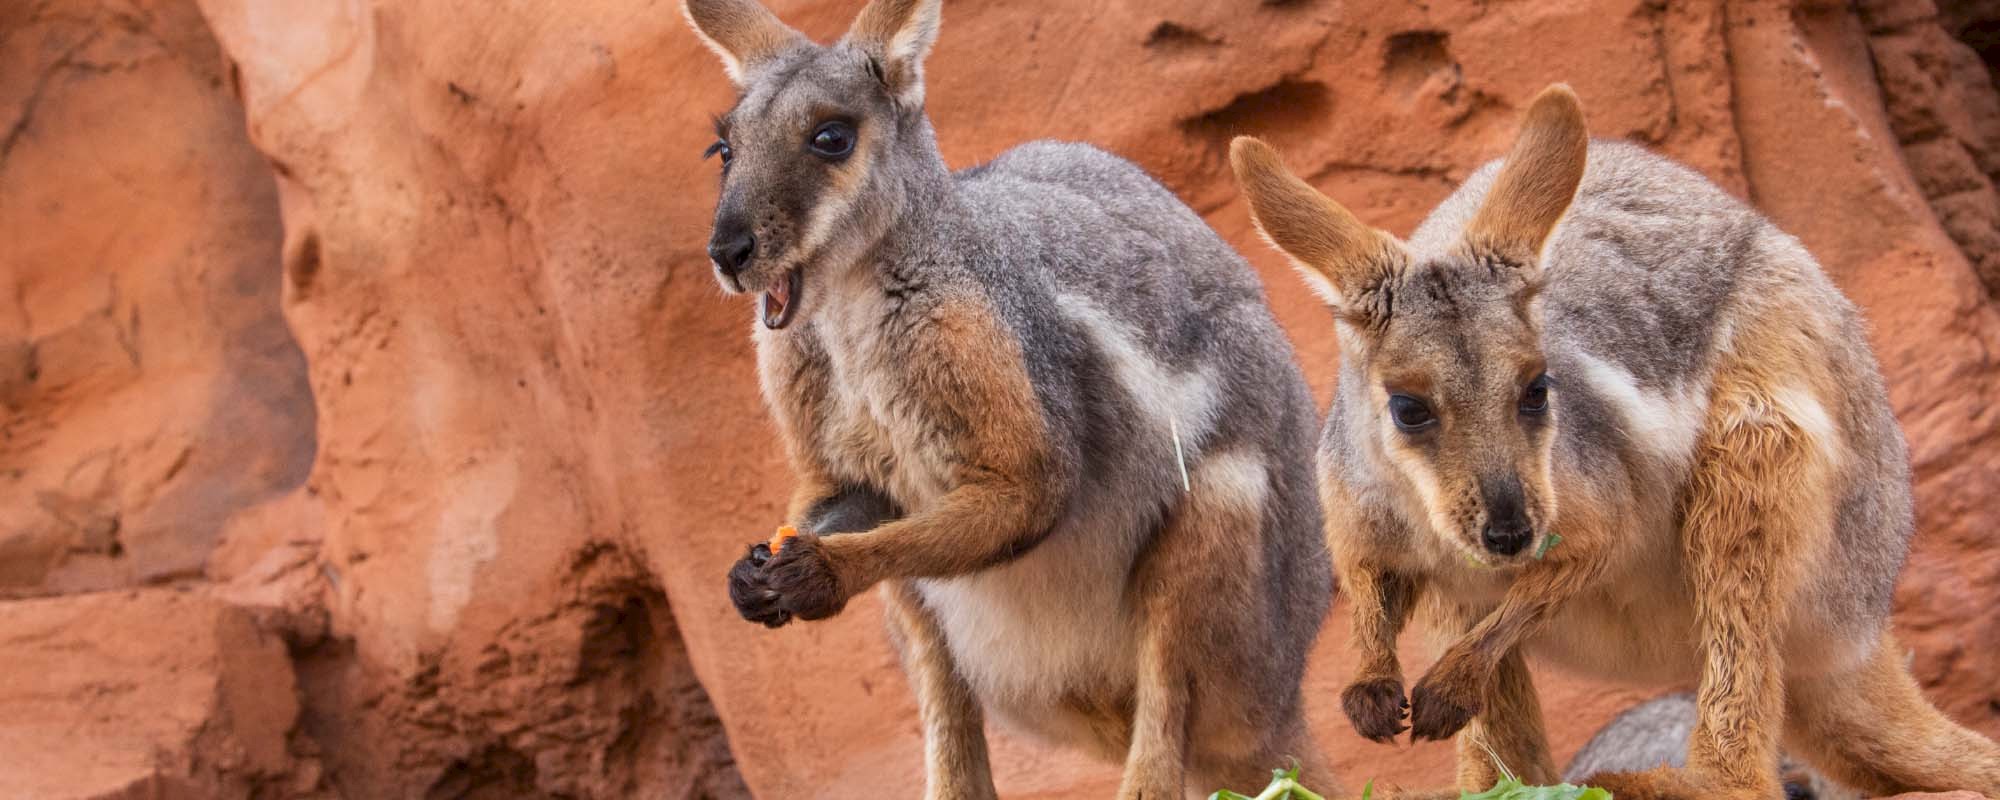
(819, 507)
(1541, 589)
(1382, 601)
(1373, 700)
(974, 526)
(1458, 686)
(1534, 597)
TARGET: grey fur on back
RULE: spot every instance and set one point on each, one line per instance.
(1642, 265)
(1078, 221)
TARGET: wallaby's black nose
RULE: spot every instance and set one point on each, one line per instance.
(732, 250)
(1507, 530)
(1505, 538)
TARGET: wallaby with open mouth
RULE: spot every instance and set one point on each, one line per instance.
(1038, 401)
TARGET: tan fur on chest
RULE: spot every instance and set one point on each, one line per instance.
(874, 430)
(868, 438)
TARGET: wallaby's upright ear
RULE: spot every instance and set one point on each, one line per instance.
(1538, 181)
(898, 34)
(742, 32)
(1335, 251)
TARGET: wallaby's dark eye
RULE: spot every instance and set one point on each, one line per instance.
(1535, 398)
(719, 148)
(832, 140)
(1410, 414)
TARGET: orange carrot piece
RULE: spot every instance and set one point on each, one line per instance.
(785, 532)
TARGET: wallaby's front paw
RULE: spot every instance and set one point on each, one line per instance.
(1443, 702)
(750, 589)
(804, 580)
(1376, 707)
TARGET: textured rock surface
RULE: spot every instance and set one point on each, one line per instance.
(534, 436)
(158, 427)
(153, 693)
(148, 388)
(1946, 117)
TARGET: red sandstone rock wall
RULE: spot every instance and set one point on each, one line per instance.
(148, 385)
(533, 435)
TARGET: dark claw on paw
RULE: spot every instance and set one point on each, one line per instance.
(1436, 716)
(1376, 708)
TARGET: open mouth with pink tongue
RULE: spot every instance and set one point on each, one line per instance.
(779, 303)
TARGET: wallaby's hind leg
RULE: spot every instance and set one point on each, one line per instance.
(1509, 728)
(1755, 499)
(1170, 583)
(1872, 729)
(1206, 646)
(1156, 766)
(955, 760)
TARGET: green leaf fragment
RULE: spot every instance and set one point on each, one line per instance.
(1510, 789)
(1550, 541)
(1284, 786)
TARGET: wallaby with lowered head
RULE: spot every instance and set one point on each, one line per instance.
(1599, 411)
(1038, 401)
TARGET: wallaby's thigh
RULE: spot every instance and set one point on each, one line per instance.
(1872, 728)
(1206, 683)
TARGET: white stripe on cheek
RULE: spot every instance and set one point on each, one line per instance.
(1419, 473)
(820, 221)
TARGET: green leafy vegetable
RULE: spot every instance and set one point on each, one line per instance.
(1547, 543)
(1511, 789)
(1284, 786)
